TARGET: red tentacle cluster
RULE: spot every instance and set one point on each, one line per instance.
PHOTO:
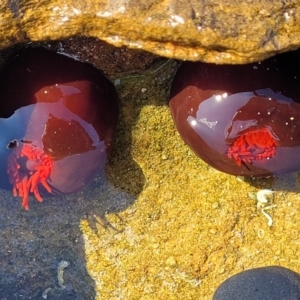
(27, 181)
(253, 145)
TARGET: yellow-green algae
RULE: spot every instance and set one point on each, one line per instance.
(191, 226)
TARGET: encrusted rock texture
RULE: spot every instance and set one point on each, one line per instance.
(218, 31)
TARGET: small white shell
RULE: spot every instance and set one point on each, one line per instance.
(264, 196)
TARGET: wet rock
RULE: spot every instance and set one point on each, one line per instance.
(219, 31)
(268, 283)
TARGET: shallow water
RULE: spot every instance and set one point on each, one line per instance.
(163, 225)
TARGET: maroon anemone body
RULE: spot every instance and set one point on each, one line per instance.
(241, 119)
(57, 119)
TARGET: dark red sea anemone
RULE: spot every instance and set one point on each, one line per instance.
(241, 119)
(57, 118)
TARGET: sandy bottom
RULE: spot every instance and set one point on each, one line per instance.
(190, 227)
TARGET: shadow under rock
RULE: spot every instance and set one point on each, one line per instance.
(35, 244)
